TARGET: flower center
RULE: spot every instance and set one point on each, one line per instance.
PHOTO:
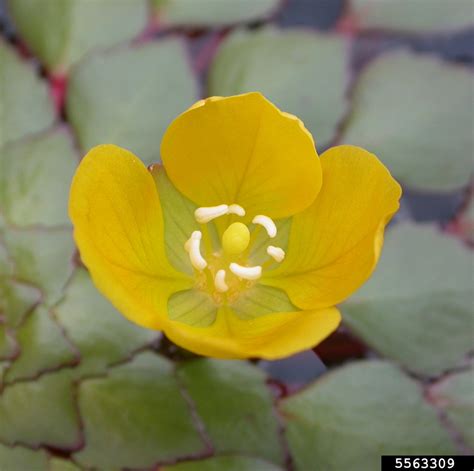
(224, 272)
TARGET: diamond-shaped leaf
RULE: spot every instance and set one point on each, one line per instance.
(43, 347)
(102, 335)
(129, 96)
(302, 72)
(34, 180)
(417, 308)
(201, 13)
(60, 33)
(236, 407)
(40, 412)
(350, 417)
(25, 106)
(136, 417)
(415, 113)
(455, 395)
(19, 458)
(42, 257)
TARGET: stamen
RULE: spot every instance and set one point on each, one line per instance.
(236, 209)
(246, 273)
(267, 223)
(192, 246)
(219, 281)
(204, 215)
(276, 253)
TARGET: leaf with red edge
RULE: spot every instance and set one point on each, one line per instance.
(39, 412)
(351, 416)
(25, 107)
(61, 32)
(100, 333)
(417, 307)
(136, 417)
(233, 401)
(454, 394)
(43, 347)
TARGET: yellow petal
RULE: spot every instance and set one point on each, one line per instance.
(271, 336)
(336, 243)
(242, 150)
(118, 227)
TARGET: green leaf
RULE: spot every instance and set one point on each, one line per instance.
(202, 13)
(16, 300)
(22, 459)
(25, 106)
(224, 463)
(454, 394)
(136, 417)
(60, 33)
(57, 464)
(35, 179)
(43, 347)
(351, 416)
(101, 334)
(417, 308)
(6, 262)
(413, 16)
(42, 257)
(128, 96)
(40, 412)
(3, 366)
(236, 407)
(302, 72)
(8, 345)
(414, 112)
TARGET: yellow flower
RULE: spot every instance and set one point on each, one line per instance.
(243, 242)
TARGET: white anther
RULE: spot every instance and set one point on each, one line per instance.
(267, 223)
(192, 246)
(236, 209)
(204, 215)
(276, 253)
(219, 281)
(247, 273)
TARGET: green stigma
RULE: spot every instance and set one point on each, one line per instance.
(235, 239)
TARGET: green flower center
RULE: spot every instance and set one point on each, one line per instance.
(224, 272)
